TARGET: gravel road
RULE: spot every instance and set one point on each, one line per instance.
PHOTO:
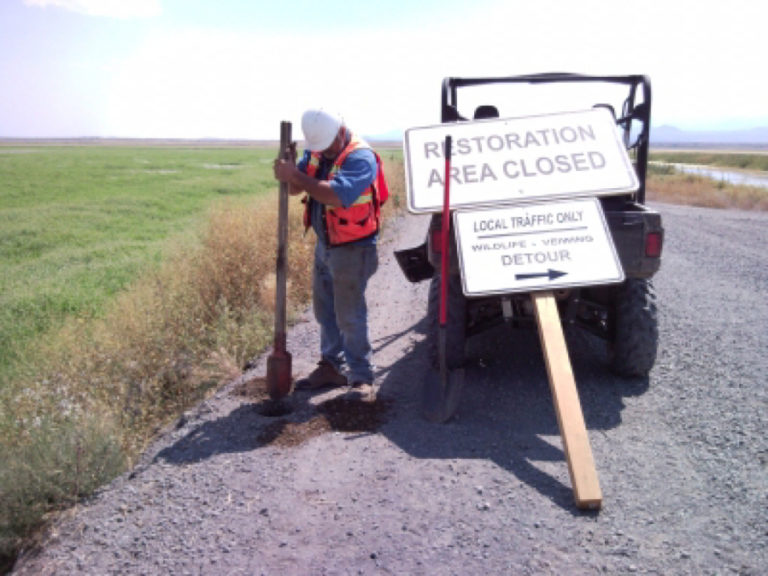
(340, 487)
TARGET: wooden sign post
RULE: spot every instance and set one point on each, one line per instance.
(573, 430)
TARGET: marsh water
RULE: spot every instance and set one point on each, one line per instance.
(759, 179)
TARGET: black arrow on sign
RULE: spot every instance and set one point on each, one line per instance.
(552, 274)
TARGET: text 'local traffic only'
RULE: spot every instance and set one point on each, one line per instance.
(518, 159)
(535, 247)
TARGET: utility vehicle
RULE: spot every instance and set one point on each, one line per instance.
(624, 315)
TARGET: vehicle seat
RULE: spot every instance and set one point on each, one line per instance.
(486, 111)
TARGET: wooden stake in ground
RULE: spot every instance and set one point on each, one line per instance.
(573, 430)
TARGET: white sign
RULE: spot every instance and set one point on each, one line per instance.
(518, 160)
(537, 246)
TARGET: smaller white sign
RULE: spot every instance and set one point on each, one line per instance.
(514, 160)
(537, 246)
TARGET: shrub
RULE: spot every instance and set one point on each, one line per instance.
(696, 190)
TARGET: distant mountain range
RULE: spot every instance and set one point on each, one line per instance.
(672, 135)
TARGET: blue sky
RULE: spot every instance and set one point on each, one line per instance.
(235, 68)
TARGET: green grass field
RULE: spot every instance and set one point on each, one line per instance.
(78, 223)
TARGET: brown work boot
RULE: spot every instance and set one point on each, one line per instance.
(360, 390)
(324, 376)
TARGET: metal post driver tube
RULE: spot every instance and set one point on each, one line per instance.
(279, 379)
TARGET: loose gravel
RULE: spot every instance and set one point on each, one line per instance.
(324, 484)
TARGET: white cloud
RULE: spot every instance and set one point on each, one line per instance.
(194, 83)
(124, 9)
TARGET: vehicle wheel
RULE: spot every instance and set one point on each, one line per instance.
(636, 337)
(455, 329)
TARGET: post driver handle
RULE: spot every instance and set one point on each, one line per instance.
(282, 240)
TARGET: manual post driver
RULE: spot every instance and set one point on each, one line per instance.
(279, 378)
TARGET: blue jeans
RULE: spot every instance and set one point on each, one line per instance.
(338, 295)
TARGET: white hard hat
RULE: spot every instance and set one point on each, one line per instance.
(320, 128)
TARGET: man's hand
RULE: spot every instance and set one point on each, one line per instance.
(284, 170)
(298, 182)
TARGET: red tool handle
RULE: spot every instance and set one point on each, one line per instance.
(445, 232)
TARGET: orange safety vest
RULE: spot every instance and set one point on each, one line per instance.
(361, 219)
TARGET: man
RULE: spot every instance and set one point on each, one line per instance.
(341, 176)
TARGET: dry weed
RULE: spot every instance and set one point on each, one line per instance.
(694, 190)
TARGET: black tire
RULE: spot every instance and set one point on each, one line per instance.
(456, 327)
(636, 337)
